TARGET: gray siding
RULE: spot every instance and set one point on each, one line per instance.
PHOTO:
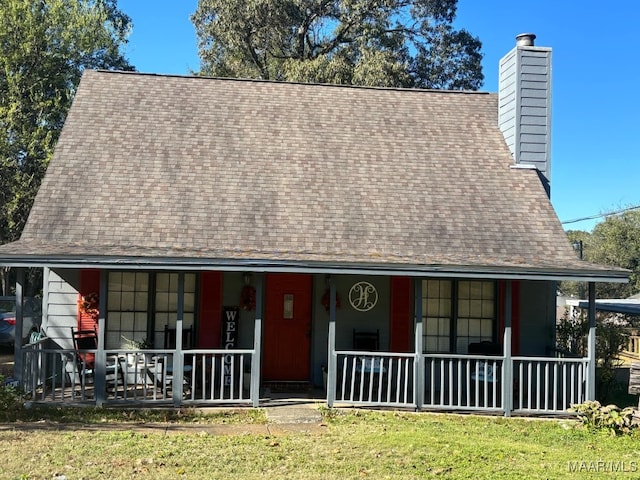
(61, 305)
(537, 317)
(524, 115)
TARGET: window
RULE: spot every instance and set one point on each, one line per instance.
(127, 307)
(140, 304)
(456, 313)
(166, 304)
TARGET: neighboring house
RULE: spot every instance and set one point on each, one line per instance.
(399, 243)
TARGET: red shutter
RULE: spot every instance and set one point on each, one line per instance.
(89, 284)
(210, 316)
(401, 315)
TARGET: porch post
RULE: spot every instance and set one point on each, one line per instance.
(178, 369)
(591, 344)
(332, 360)
(418, 362)
(17, 341)
(257, 344)
(100, 382)
(507, 365)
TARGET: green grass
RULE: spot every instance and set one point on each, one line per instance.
(354, 444)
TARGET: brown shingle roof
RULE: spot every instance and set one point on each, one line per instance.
(164, 166)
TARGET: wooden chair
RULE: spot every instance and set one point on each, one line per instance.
(84, 340)
(368, 341)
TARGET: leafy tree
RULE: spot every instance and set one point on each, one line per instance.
(616, 241)
(398, 43)
(44, 47)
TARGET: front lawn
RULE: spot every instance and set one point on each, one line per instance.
(354, 444)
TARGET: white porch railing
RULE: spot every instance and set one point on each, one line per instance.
(218, 376)
(539, 385)
(463, 382)
(137, 376)
(366, 378)
(548, 385)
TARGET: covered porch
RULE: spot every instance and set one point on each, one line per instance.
(488, 376)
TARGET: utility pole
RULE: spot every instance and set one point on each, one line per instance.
(578, 246)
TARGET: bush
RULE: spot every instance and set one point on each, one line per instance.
(610, 418)
(611, 338)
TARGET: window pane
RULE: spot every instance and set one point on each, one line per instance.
(142, 282)
(463, 290)
(126, 322)
(141, 322)
(443, 327)
(115, 280)
(141, 299)
(476, 308)
(433, 308)
(162, 319)
(445, 307)
(113, 301)
(443, 344)
(463, 308)
(431, 344)
(189, 302)
(162, 282)
(431, 326)
(128, 282)
(173, 301)
(474, 328)
(190, 282)
(162, 302)
(463, 327)
(475, 289)
(128, 301)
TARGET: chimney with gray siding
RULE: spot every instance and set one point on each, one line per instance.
(524, 112)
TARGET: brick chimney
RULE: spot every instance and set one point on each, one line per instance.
(524, 111)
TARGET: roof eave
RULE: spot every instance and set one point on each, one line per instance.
(350, 268)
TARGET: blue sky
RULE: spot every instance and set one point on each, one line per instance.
(595, 165)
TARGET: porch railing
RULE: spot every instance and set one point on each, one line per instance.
(467, 382)
(538, 385)
(137, 376)
(378, 378)
(548, 385)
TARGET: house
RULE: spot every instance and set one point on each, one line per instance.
(399, 243)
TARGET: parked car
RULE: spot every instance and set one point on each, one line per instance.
(32, 319)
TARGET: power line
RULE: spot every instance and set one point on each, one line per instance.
(593, 217)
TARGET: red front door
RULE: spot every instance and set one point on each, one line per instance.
(287, 327)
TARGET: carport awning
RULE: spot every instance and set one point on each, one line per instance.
(627, 306)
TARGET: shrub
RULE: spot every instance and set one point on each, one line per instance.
(610, 418)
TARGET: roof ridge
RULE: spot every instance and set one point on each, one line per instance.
(309, 84)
